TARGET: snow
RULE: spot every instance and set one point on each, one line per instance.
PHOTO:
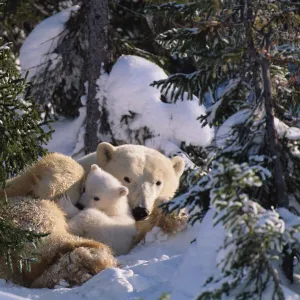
(226, 130)
(35, 51)
(170, 149)
(68, 136)
(146, 272)
(7, 296)
(163, 264)
(224, 91)
(284, 131)
(129, 90)
(290, 220)
(199, 262)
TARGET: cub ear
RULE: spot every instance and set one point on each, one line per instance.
(104, 153)
(178, 165)
(123, 191)
(94, 167)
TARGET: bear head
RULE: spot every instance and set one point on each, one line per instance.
(146, 173)
(102, 190)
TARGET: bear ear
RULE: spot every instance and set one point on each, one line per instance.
(104, 153)
(123, 191)
(178, 165)
(94, 167)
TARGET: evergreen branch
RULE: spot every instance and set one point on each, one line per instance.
(188, 10)
(21, 140)
(276, 17)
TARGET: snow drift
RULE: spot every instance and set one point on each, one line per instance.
(129, 90)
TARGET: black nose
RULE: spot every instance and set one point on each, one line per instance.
(140, 213)
(79, 206)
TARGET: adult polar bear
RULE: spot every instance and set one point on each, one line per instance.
(62, 255)
(150, 178)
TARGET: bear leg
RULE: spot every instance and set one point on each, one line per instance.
(76, 267)
(62, 255)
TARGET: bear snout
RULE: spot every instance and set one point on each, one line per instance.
(79, 206)
(140, 213)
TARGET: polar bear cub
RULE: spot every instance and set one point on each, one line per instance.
(107, 217)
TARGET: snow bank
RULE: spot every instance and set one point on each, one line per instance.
(129, 90)
(8, 296)
(200, 261)
(35, 50)
(164, 264)
(146, 272)
(284, 131)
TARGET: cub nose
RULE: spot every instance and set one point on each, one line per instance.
(140, 213)
(79, 206)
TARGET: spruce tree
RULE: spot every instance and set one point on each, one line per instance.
(247, 56)
(21, 140)
(134, 33)
(19, 17)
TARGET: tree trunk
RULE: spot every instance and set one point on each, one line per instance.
(273, 145)
(98, 55)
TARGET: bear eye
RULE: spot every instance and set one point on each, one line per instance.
(127, 179)
(96, 198)
(158, 182)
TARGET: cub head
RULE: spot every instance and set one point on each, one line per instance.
(146, 173)
(102, 190)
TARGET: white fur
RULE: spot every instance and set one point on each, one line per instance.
(117, 232)
(143, 166)
(87, 160)
(107, 220)
(66, 205)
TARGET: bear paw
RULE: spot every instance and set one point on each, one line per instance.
(182, 222)
(173, 223)
(66, 205)
(76, 267)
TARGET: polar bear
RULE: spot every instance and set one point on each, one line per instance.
(54, 177)
(61, 255)
(108, 218)
(150, 177)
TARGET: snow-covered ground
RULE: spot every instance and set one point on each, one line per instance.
(163, 264)
(178, 265)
